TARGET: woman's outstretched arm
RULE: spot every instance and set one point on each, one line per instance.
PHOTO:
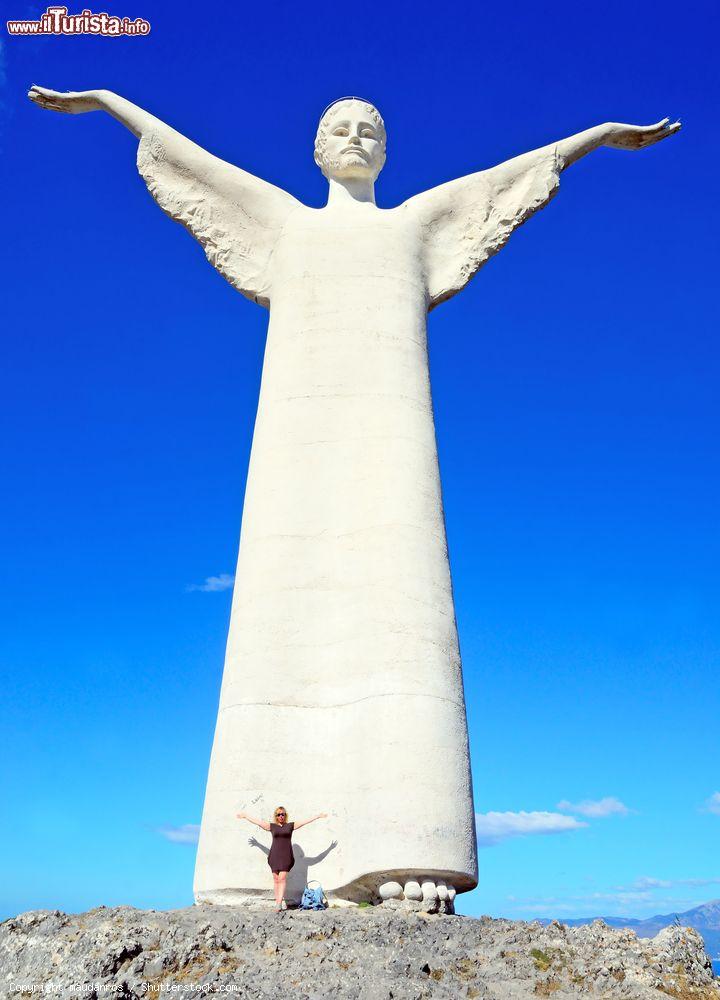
(304, 822)
(258, 822)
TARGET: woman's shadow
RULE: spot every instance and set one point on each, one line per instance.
(298, 876)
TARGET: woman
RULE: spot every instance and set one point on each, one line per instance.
(280, 858)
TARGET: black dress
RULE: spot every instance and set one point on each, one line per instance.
(281, 858)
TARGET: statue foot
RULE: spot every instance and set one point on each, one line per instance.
(430, 895)
(411, 888)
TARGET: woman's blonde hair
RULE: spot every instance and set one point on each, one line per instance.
(287, 817)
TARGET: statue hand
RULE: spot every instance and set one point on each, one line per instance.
(638, 136)
(72, 102)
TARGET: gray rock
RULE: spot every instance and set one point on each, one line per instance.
(379, 953)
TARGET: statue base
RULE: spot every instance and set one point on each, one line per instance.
(409, 890)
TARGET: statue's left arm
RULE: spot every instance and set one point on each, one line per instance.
(464, 222)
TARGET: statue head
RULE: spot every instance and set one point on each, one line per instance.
(350, 140)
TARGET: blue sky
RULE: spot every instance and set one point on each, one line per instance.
(575, 390)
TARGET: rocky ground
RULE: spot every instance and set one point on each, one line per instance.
(373, 953)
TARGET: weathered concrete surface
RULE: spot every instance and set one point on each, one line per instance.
(373, 953)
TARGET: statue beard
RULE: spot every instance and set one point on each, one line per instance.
(344, 167)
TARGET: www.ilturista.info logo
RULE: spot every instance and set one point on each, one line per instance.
(57, 21)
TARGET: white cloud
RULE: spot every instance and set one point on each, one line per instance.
(213, 584)
(186, 834)
(495, 827)
(640, 899)
(619, 904)
(595, 808)
(712, 805)
(646, 882)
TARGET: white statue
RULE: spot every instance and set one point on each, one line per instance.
(342, 681)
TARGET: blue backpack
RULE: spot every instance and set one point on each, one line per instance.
(313, 899)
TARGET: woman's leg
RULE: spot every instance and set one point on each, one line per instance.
(282, 879)
(277, 888)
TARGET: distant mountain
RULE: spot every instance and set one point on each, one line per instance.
(705, 919)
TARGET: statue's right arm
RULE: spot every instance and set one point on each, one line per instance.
(176, 147)
(78, 102)
(236, 217)
(227, 179)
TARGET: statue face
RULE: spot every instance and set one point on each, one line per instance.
(350, 143)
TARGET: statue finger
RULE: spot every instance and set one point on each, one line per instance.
(43, 101)
(666, 128)
(652, 129)
(659, 136)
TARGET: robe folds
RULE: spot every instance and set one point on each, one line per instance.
(342, 688)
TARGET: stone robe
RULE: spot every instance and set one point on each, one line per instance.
(342, 688)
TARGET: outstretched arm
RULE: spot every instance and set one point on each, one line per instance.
(235, 216)
(78, 102)
(304, 822)
(263, 824)
(264, 202)
(613, 134)
(464, 222)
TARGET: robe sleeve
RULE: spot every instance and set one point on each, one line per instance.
(464, 222)
(235, 216)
